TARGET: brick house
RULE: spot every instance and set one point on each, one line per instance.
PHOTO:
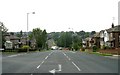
(96, 39)
(88, 42)
(110, 37)
(116, 36)
(14, 39)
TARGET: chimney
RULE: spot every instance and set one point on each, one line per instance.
(112, 25)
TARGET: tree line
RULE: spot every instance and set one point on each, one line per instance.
(70, 39)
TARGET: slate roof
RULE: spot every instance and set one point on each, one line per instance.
(114, 29)
(97, 34)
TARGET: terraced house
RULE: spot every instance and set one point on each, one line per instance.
(110, 37)
(105, 38)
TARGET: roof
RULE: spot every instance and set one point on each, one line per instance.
(114, 29)
(14, 38)
(97, 34)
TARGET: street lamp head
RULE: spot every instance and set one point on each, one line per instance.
(33, 12)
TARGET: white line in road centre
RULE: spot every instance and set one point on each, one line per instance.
(46, 57)
(43, 60)
(76, 66)
(72, 62)
(64, 54)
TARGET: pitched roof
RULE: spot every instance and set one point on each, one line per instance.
(97, 34)
(114, 29)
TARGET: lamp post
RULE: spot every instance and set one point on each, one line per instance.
(71, 29)
(28, 27)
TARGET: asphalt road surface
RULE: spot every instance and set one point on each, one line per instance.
(58, 61)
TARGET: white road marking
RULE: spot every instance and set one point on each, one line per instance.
(69, 59)
(44, 60)
(72, 51)
(51, 53)
(76, 66)
(54, 70)
(72, 62)
(38, 66)
(46, 57)
(64, 54)
(12, 55)
(16, 55)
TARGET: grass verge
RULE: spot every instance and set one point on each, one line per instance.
(102, 54)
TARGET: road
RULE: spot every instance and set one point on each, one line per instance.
(58, 61)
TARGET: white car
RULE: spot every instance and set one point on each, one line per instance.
(1, 49)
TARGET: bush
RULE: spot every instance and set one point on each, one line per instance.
(25, 47)
(106, 47)
(22, 50)
(76, 47)
(32, 49)
(82, 49)
(95, 48)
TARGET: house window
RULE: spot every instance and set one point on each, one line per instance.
(111, 35)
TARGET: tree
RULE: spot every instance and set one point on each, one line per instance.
(20, 34)
(3, 31)
(65, 39)
(93, 32)
(76, 46)
(40, 37)
(44, 38)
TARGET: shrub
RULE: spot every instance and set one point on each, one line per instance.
(82, 49)
(32, 49)
(25, 47)
(106, 47)
(95, 48)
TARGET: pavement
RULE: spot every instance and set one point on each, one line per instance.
(58, 61)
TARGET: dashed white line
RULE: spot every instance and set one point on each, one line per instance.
(64, 54)
(69, 59)
(46, 57)
(44, 60)
(72, 62)
(50, 53)
(38, 66)
(76, 66)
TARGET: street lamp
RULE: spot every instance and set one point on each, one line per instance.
(28, 19)
(28, 25)
(71, 29)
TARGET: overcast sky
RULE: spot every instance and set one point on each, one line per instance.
(59, 15)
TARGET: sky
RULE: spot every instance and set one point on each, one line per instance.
(59, 15)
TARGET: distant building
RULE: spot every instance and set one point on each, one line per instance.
(12, 39)
(50, 43)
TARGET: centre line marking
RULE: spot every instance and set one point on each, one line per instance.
(69, 59)
(46, 57)
(76, 66)
(43, 61)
